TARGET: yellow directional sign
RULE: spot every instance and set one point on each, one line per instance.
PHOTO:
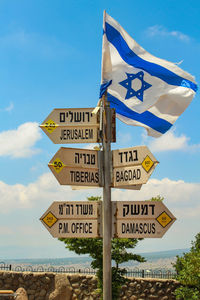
(73, 219)
(77, 167)
(132, 167)
(72, 125)
(141, 219)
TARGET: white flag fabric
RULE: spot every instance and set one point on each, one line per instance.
(145, 90)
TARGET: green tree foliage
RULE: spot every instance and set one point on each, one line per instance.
(188, 272)
(94, 247)
(157, 198)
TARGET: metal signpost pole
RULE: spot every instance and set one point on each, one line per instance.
(123, 168)
(107, 207)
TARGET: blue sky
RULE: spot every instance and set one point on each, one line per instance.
(50, 57)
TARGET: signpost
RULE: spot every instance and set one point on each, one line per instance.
(132, 167)
(78, 167)
(142, 219)
(123, 168)
(73, 219)
(72, 125)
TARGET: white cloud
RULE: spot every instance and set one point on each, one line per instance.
(43, 191)
(9, 108)
(179, 194)
(159, 30)
(91, 146)
(32, 200)
(170, 142)
(19, 142)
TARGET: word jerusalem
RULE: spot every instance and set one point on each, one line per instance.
(77, 134)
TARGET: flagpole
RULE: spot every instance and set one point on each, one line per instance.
(107, 207)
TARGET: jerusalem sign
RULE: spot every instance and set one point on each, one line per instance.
(73, 219)
(78, 167)
(142, 219)
(72, 125)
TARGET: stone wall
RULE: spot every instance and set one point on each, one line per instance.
(157, 289)
(51, 286)
(37, 285)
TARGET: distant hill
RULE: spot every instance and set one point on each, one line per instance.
(153, 259)
(159, 260)
(164, 254)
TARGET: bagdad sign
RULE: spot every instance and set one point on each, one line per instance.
(77, 167)
(132, 166)
(73, 219)
(142, 219)
(72, 125)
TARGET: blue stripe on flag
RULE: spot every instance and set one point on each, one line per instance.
(146, 117)
(131, 58)
(104, 87)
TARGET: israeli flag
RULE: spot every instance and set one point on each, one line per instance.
(145, 90)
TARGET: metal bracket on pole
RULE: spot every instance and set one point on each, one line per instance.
(100, 229)
(114, 213)
(100, 167)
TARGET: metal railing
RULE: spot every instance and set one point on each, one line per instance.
(153, 273)
(163, 274)
(4, 266)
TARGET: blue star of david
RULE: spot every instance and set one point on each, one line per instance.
(127, 84)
